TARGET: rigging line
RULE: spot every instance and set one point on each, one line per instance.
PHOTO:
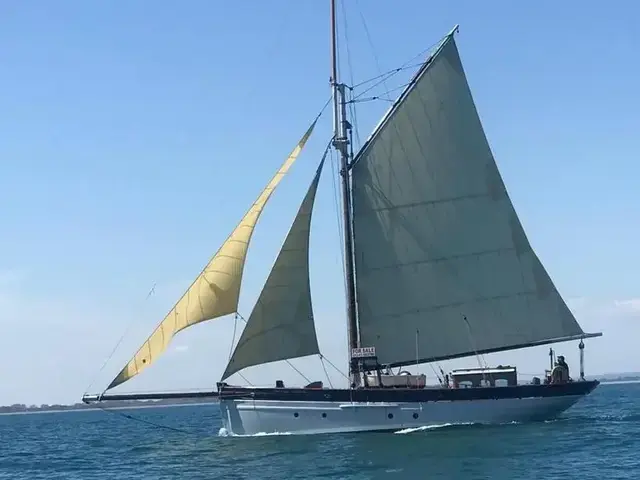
(383, 77)
(357, 98)
(352, 109)
(245, 379)
(422, 53)
(405, 66)
(368, 35)
(346, 41)
(336, 205)
(377, 77)
(299, 372)
(473, 344)
(336, 368)
(337, 202)
(327, 103)
(435, 373)
(366, 90)
(127, 329)
(235, 322)
(325, 371)
(233, 338)
(146, 422)
(355, 129)
(389, 73)
(370, 99)
(386, 76)
(168, 390)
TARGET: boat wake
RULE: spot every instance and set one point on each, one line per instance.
(423, 428)
(223, 432)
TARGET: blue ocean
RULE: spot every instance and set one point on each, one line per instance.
(598, 438)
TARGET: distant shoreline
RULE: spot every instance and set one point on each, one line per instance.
(618, 378)
(96, 409)
(108, 405)
(618, 382)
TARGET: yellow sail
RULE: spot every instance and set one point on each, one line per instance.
(216, 291)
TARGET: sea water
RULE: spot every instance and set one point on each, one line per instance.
(596, 439)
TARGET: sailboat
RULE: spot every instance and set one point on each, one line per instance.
(437, 266)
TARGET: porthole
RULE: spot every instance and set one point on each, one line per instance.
(324, 415)
(390, 416)
(296, 414)
(415, 415)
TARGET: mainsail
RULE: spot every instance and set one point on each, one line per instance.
(442, 261)
(281, 324)
(216, 291)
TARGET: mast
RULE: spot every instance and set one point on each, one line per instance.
(341, 143)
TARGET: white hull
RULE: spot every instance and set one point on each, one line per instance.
(250, 417)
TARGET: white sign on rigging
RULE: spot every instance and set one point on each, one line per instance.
(363, 352)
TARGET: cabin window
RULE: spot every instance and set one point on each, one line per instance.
(390, 416)
(484, 377)
(296, 414)
(415, 415)
(502, 382)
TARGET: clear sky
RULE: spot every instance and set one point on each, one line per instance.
(133, 136)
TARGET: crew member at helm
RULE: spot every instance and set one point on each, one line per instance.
(560, 372)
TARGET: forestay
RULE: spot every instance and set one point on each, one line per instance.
(281, 325)
(442, 261)
(216, 291)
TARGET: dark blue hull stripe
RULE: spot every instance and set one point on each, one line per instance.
(398, 395)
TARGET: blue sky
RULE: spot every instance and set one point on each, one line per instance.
(133, 136)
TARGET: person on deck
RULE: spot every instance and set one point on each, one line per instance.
(562, 363)
(560, 372)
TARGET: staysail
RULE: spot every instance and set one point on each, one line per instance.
(216, 291)
(281, 325)
(441, 257)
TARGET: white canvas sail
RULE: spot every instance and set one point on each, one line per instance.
(440, 253)
(281, 325)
